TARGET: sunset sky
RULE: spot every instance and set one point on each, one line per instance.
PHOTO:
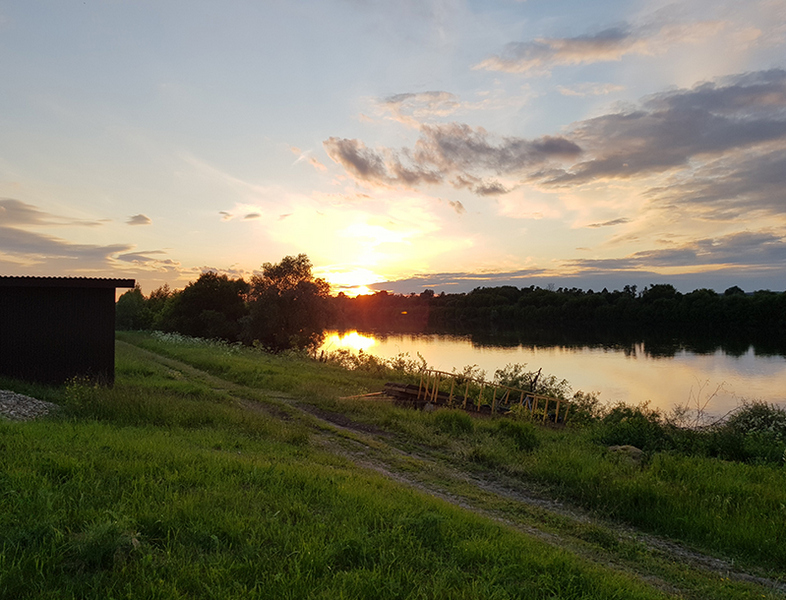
(408, 144)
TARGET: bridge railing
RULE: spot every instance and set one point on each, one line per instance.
(454, 389)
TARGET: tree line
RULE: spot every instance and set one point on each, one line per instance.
(659, 305)
(285, 307)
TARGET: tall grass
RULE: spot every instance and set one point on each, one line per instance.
(162, 488)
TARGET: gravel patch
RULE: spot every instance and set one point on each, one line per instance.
(18, 407)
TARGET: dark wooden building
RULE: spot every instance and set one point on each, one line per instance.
(56, 328)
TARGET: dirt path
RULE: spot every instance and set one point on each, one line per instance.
(661, 563)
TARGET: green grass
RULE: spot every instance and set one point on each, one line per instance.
(732, 509)
(166, 487)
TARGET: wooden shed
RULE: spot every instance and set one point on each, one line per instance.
(55, 328)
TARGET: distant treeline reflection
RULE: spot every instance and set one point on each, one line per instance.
(665, 320)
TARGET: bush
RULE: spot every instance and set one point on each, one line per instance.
(585, 408)
(637, 426)
(760, 418)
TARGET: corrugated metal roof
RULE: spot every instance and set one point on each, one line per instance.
(81, 282)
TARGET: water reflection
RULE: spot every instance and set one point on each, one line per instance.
(663, 371)
(349, 340)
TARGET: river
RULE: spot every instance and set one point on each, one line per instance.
(715, 380)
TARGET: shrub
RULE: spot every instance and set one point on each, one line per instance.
(585, 408)
(637, 426)
(759, 417)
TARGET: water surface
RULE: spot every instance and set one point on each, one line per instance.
(627, 372)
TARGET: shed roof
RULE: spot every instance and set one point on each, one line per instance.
(69, 282)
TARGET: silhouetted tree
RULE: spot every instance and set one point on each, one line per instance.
(210, 307)
(131, 311)
(288, 306)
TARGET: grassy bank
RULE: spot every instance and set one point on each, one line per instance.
(733, 509)
(177, 485)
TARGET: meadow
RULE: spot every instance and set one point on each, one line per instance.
(215, 471)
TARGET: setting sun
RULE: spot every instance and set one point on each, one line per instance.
(353, 282)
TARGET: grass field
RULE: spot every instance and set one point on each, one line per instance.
(211, 471)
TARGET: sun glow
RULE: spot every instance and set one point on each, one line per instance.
(351, 340)
(352, 282)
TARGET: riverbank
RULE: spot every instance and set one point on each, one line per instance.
(212, 470)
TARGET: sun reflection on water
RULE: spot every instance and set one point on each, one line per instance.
(351, 340)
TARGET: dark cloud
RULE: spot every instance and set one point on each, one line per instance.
(620, 221)
(17, 242)
(252, 216)
(15, 212)
(669, 130)
(144, 256)
(738, 249)
(718, 149)
(444, 150)
(139, 220)
(731, 186)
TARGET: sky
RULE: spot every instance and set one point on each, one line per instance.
(401, 145)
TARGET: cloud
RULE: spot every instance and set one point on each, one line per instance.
(743, 248)
(143, 256)
(445, 150)
(413, 108)
(743, 183)
(457, 206)
(139, 219)
(722, 143)
(253, 215)
(306, 157)
(16, 212)
(612, 44)
(713, 151)
(590, 89)
(36, 246)
(620, 221)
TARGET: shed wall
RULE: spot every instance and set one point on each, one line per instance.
(51, 334)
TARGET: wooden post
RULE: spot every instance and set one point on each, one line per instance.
(546, 409)
(480, 395)
(420, 387)
(567, 408)
(521, 400)
(452, 387)
(435, 391)
(557, 415)
(534, 404)
(494, 401)
(466, 393)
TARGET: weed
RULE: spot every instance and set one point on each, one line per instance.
(453, 422)
(522, 434)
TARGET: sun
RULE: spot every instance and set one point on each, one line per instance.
(352, 282)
